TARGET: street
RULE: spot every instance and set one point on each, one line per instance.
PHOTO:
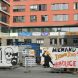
(35, 72)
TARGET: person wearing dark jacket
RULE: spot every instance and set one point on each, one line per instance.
(47, 59)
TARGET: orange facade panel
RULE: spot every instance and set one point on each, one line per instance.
(44, 13)
(71, 33)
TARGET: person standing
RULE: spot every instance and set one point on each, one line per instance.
(47, 59)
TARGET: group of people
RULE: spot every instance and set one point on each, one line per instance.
(47, 59)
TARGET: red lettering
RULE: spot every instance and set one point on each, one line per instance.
(69, 63)
(74, 63)
(65, 64)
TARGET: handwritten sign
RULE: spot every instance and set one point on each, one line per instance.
(65, 57)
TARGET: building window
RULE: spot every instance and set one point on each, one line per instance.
(36, 30)
(63, 6)
(27, 41)
(75, 40)
(9, 41)
(33, 18)
(19, 8)
(76, 5)
(46, 29)
(76, 17)
(4, 29)
(53, 41)
(63, 17)
(63, 41)
(40, 41)
(16, 41)
(18, 19)
(38, 7)
(3, 18)
(44, 18)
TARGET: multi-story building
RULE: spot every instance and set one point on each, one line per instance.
(43, 15)
(4, 17)
(51, 23)
(43, 21)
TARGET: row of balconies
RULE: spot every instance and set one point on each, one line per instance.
(4, 12)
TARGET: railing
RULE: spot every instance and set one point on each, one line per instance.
(6, 0)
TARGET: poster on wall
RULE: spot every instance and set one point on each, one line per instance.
(28, 52)
(8, 55)
(65, 57)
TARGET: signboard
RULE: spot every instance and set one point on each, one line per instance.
(36, 33)
(25, 34)
(54, 33)
(28, 52)
(44, 33)
(65, 57)
(71, 33)
(28, 56)
(13, 34)
(62, 33)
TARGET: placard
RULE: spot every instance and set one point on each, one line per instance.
(64, 57)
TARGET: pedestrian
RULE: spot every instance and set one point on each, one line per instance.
(47, 59)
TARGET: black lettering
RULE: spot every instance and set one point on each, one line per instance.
(73, 49)
(70, 49)
(59, 49)
(66, 50)
(54, 50)
(62, 49)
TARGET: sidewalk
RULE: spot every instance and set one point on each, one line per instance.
(35, 69)
(35, 72)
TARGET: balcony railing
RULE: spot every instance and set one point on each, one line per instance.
(7, 1)
(4, 7)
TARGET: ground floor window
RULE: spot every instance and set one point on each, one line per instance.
(9, 41)
(75, 41)
(40, 41)
(63, 41)
(53, 41)
(27, 41)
